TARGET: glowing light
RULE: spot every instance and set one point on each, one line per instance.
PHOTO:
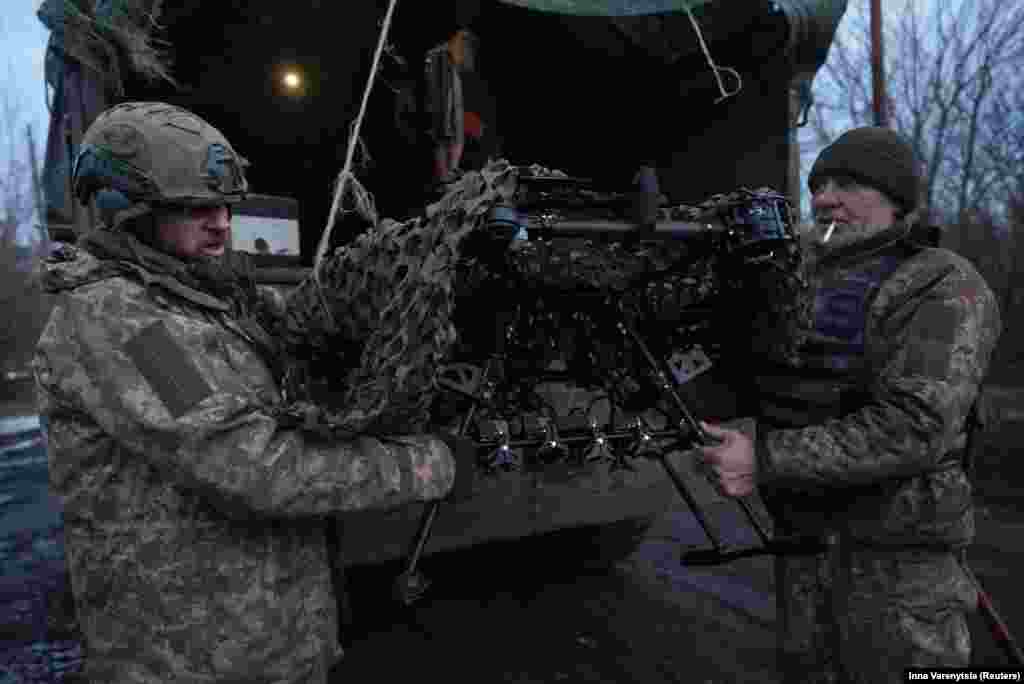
(292, 80)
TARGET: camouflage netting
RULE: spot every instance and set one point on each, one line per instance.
(392, 295)
(98, 34)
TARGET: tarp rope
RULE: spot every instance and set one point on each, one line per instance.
(346, 179)
(715, 69)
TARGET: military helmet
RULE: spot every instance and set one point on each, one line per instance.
(159, 154)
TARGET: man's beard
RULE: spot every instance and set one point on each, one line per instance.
(215, 275)
(846, 234)
(843, 235)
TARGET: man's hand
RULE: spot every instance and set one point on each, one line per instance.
(731, 462)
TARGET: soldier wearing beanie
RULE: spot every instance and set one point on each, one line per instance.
(862, 430)
(875, 157)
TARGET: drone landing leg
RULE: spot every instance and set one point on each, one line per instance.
(411, 585)
(718, 553)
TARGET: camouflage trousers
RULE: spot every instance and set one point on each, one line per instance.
(855, 616)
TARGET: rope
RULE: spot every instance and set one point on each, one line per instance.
(715, 69)
(345, 176)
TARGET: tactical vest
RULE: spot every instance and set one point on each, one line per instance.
(830, 378)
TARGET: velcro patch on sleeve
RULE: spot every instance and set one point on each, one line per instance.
(167, 368)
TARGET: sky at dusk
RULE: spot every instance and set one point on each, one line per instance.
(23, 41)
(22, 50)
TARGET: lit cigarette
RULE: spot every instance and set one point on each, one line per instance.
(828, 233)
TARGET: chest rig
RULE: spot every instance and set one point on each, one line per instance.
(831, 373)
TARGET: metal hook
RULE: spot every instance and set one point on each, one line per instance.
(726, 94)
(715, 69)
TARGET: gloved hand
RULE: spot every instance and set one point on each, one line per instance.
(464, 452)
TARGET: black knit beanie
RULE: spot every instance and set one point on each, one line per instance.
(877, 157)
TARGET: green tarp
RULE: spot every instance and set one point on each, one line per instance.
(825, 11)
(812, 23)
(615, 8)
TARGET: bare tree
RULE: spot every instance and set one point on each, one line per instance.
(16, 199)
(22, 304)
(1005, 120)
(1012, 296)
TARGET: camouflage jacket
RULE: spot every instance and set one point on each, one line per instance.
(193, 516)
(889, 472)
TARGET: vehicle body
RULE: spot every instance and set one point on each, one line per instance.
(595, 96)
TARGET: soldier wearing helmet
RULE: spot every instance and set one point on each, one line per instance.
(153, 159)
(193, 511)
(861, 439)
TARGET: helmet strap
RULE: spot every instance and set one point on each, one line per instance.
(137, 210)
(139, 220)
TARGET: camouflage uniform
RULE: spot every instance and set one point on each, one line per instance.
(193, 520)
(195, 465)
(882, 476)
(196, 473)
